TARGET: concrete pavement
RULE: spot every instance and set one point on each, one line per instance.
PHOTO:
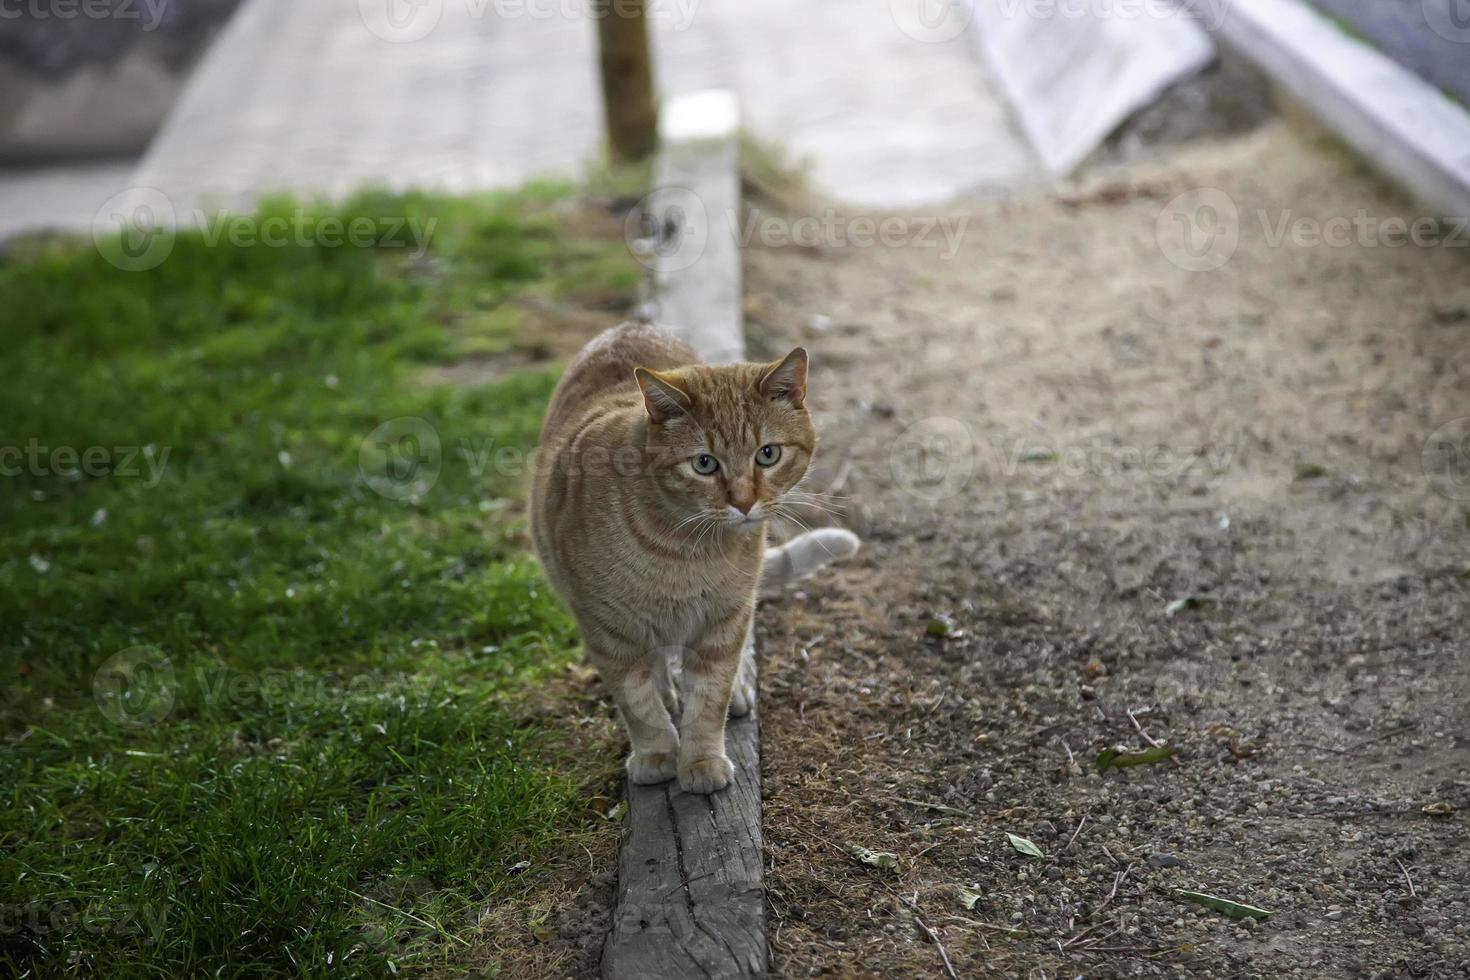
(326, 97)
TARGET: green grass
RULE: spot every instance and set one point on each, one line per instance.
(259, 718)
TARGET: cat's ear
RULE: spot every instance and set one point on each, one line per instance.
(787, 380)
(662, 395)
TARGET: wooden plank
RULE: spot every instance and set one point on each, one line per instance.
(691, 893)
(691, 889)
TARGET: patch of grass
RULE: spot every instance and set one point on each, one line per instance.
(265, 662)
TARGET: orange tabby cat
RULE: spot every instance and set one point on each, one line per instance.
(655, 477)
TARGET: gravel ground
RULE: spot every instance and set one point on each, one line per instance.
(1109, 501)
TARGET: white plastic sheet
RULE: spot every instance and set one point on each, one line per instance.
(1074, 69)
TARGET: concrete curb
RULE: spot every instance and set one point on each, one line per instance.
(691, 896)
(1403, 125)
(696, 204)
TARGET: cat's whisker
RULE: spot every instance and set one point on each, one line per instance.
(835, 513)
(691, 519)
(779, 511)
(831, 510)
(804, 486)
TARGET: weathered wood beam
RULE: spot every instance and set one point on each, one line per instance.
(691, 890)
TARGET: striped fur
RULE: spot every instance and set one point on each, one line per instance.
(653, 557)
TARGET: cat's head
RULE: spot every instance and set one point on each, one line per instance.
(728, 442)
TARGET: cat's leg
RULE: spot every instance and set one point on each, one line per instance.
(668, 687)
(742, 701)
(637, 688)
(709, 680)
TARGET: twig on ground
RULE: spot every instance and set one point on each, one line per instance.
(1117, 880)
(1008, 930)
(1073, 838)
(938, 843)
(951, 811)
(1412, 893)
(934, 938)
(1143, 734)
(1090, 929)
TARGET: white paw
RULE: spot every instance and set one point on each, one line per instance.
(648, 768)
(706, 775)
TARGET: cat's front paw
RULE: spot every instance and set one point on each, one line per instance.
(649, 768)
(706, 775)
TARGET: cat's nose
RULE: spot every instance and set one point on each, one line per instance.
(743, 504)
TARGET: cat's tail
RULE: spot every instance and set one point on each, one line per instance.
(803, 555)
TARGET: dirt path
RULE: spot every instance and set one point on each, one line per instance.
(1048, 439)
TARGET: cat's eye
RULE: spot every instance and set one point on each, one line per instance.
(705, 464)
(768, 456)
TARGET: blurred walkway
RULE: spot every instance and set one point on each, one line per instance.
(332, 95)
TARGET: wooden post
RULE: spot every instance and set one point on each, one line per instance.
(627, 78)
